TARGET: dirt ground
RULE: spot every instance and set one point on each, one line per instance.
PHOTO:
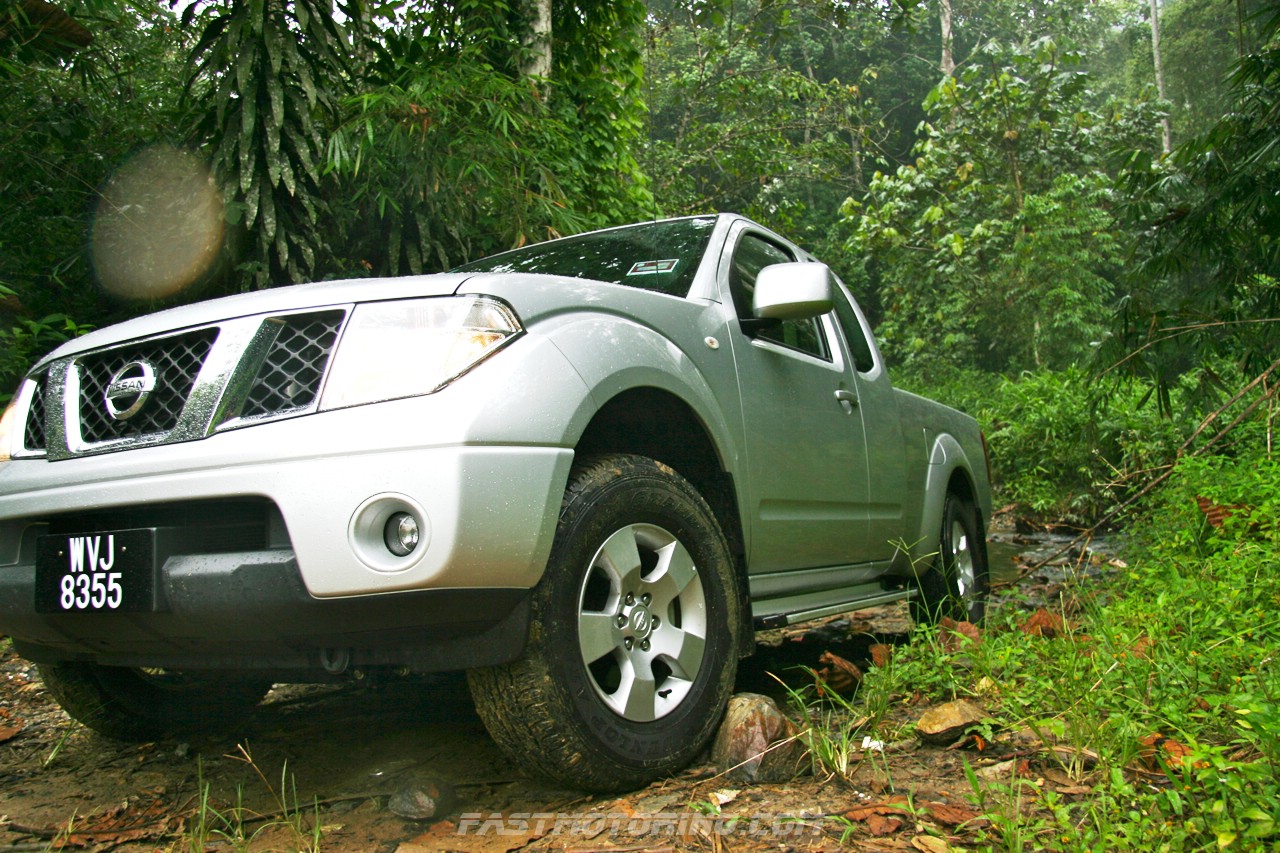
(334, 760)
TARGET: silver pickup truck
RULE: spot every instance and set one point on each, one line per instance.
(584, 471)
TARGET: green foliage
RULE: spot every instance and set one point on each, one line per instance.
(450, 154)
(1065, 446)
(28, 339)
(1173, 677)
(1205, 285)
(70, 118)
(264, 84)
(996, 247)
(1199, 42)
(764, 108)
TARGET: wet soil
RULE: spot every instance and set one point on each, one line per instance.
(332, 761)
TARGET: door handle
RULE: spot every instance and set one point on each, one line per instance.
(847, 397)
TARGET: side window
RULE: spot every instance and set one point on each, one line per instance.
(752, 255)
(859, 347)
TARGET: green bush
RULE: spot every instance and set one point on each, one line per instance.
(1159, 695)
(1063, 445)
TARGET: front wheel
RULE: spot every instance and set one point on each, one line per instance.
(633, 643)
(957, 583)
(144, 704)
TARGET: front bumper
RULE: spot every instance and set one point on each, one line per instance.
(488, 511)
(249, 611)
(315, 586)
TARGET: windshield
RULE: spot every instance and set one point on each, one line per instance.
(660, 256)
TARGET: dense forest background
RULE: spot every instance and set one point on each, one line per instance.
(1061, 215)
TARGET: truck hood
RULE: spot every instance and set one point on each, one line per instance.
(276, 300)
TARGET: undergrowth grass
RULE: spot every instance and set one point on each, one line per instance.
(1159, 694)
(239, 828)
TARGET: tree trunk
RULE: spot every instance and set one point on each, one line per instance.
(948, 64)
(537, 39)
(1166, 130)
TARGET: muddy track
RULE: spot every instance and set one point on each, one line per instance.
(342, 753)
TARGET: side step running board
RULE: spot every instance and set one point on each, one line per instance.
(782, 620)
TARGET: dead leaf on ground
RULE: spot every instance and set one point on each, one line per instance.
(1140, 650)
(9, 725)
(893, 806)
(1042, 623)
(1158, 749)
(931, 844)
(950, 815)
(880, 654)
(882, 825)
(956, 635)
(145, 818)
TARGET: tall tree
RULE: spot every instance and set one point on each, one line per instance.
(948, 63)
(1166, 132)
(996, 247)
(537, 39)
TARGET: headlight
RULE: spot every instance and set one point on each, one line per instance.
(411, 347)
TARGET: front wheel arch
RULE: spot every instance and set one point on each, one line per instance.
(564, 709)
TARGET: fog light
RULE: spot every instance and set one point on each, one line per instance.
(390, 532)
(401, 534)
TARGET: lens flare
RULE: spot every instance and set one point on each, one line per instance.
(158, 226)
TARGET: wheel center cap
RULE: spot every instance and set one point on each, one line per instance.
(640, 621)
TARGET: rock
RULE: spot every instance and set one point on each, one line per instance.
(424, 798)
(756, 742)
(945, 724)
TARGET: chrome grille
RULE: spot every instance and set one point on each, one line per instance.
(177, 361)
(34, 437)
(290, 375)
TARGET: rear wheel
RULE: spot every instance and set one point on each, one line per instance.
(957, 583)
(145, 704)
(633, 643)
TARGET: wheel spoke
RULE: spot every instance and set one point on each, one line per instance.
(674, 573)
(963, 562)
(683, 651)
(635, 695)
(597, 636)
(619, 557)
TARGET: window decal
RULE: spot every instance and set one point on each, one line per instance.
(653, 267)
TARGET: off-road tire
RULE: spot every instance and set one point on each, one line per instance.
(141, 705)
(957, 582)
(565, 709)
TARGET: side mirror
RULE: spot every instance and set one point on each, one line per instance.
(797, 291)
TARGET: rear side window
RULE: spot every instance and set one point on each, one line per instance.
(859, 346)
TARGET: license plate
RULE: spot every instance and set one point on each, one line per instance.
(96, 572)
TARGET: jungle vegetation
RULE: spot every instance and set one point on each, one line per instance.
(1062, 216)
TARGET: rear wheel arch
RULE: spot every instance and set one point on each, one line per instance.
(954, 577)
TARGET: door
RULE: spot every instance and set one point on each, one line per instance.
(805, 450)
(886, 449)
